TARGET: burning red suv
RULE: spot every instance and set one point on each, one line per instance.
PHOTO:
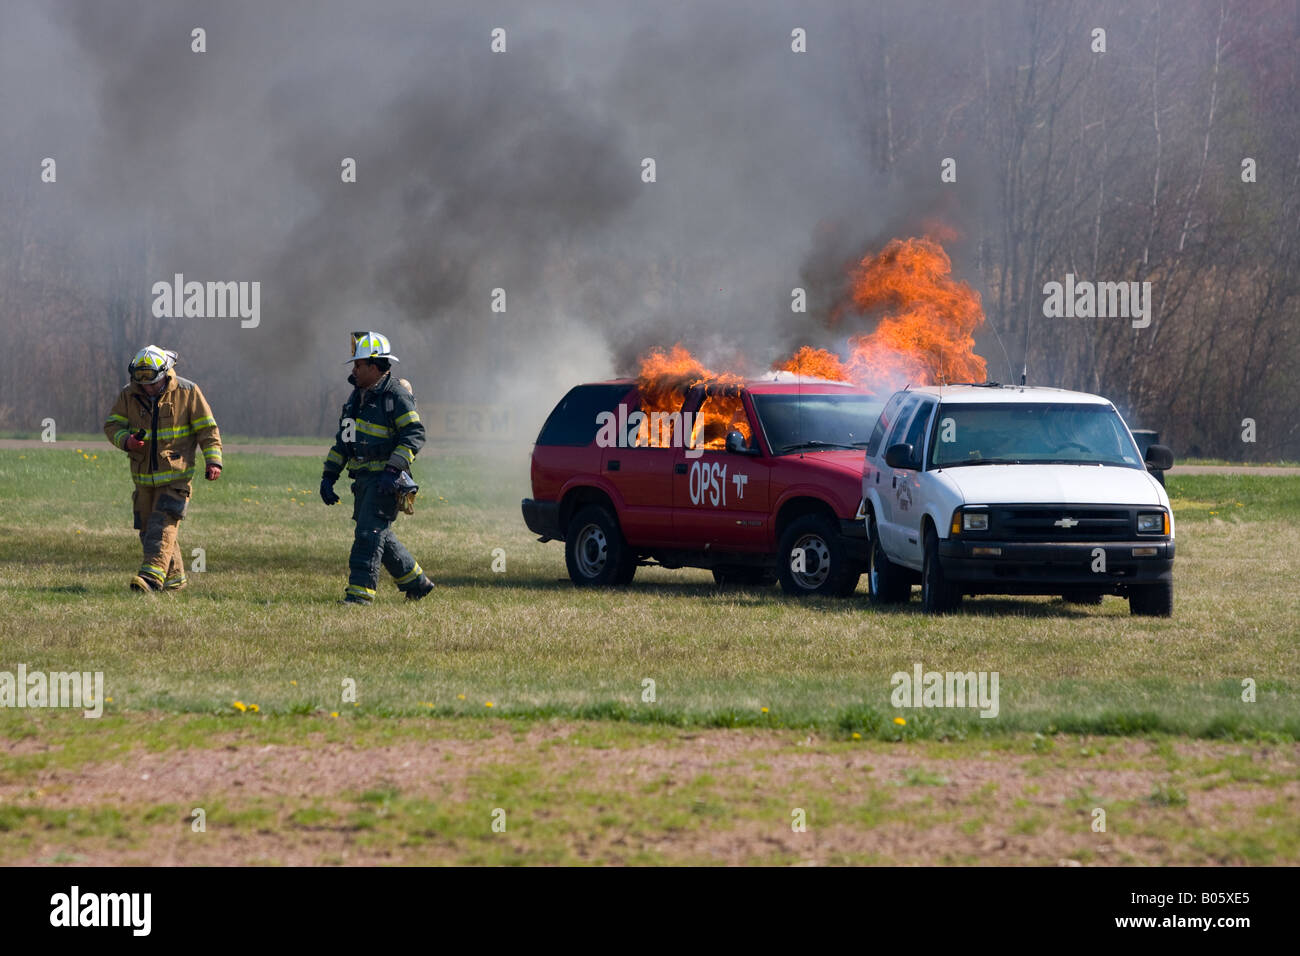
(757, 480)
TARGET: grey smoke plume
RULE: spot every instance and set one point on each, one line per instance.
(476, 171)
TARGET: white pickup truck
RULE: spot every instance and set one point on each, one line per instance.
(997, 489)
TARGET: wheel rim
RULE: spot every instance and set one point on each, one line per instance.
(817, 562)
(591, 550)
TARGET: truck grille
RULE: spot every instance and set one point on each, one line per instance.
(1057, 523)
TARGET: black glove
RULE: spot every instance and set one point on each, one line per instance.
(388, 481)
(327, 491)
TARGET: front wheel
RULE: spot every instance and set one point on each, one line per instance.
(938, 594)
(1151, 600)
(890, 583)
(594, 549)
(811, 559)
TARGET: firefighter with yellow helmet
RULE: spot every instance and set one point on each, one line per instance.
(163, 423)
(378, 437)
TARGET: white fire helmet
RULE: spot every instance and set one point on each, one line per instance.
(151, 365)
(370, 345)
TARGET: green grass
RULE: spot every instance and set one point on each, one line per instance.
(261, 625)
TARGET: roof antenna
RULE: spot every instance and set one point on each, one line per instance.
(1024, 373)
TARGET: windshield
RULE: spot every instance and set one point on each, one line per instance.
(1031, 434)
(820, 422)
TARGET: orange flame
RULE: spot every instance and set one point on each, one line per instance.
(817, 363)
(665, 378)
(926, 334)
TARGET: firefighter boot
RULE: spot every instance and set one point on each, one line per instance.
(419, 589)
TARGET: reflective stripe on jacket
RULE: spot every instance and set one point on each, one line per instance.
(386, 430)
(177, 425)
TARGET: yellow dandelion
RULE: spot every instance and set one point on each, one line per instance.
(334, 713)
(108, 700)
(93, 457)
(21, 457)
(900, 721)
(240, 706)
(355, 704)
(487, 703)
(763, 709)
(78, 532)
(85, 456)
(857, 736)
(460, 696)
(294, 683)
(254, 708)
(80, 452)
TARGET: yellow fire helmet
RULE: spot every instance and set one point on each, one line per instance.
(369, 345)
(150, 365)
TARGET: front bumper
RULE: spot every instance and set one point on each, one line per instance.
(1047, 568)
(542, 518)
(853, 533)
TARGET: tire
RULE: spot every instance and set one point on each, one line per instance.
(1151, 600)
(1082, 597)
(889, 582)
(744, 577)
(938, 594)
(826, 566)
(594, 549)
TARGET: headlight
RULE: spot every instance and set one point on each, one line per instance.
(1152, 523)
(977, 521)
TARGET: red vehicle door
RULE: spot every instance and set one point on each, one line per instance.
(643, 476)
(720, 498)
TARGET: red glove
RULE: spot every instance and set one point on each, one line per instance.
(133, 443)
(213, 472)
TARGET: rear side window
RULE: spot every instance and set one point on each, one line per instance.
(896, 433)
(882, 423)
(916, 431)
(573, 422)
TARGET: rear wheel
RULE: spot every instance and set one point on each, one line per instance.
(812, 560)
(1151, 600)
(938, 594)
(890, 583)
(594, 549)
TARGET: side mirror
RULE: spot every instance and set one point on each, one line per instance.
(737, 445)
(1159, 458)
(900, 456)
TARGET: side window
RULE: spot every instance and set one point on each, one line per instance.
(916, 431)
(719, 415)
(574, 421)
(882, 423)
(896, 433)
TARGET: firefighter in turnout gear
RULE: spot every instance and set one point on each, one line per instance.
(378, 437)
(162, 422)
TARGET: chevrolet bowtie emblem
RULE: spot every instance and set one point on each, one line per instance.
(1065, 523)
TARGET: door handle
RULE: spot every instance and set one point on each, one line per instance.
(894, 482)
(612, 465)
(680, 468)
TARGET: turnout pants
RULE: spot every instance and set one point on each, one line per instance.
(158, 513)
(375, 543)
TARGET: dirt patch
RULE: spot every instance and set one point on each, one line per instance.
(710, 796)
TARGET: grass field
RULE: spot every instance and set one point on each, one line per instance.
(511, 689)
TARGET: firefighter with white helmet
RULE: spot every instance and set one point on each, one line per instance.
(165, 426)
(378, 437)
